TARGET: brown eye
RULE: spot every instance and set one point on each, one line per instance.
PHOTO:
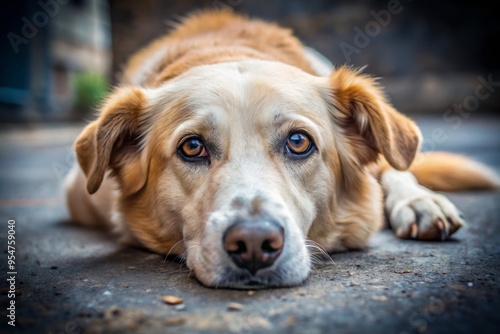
(299, 143)
(193, 148)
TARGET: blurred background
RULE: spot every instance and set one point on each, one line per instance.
(60, 57)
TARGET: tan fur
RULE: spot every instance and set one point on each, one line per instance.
(452, 172)
(99, 145)
(243, 85)
(370, 123)
(211, 37)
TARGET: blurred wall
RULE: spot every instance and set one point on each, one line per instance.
(45, 43)
(431, 55)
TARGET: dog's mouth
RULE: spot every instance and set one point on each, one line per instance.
(243, 280)
(251, 285)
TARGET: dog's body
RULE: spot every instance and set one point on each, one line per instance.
(229, 143)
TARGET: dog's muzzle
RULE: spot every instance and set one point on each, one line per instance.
(250, 242)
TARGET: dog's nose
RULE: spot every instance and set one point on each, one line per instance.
(254, 245)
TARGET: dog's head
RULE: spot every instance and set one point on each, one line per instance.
(232, 164)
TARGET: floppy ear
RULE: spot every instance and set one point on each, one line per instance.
(113, 142)
(369, 124)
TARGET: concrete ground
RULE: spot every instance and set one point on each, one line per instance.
(72, 280)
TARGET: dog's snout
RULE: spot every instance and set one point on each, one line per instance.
(254, 245)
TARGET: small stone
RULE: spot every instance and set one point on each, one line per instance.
(381, 298)
(251, 293)
(273, 312)
(172, 300)
(234, 307)
(175, 321)
(458, 287)
(107, 293)
(406, 271)
(112, 312)
(470, 284)
(290, 321)
(180, 307)
(53, 267)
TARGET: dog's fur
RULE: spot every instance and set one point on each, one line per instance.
(243, 85)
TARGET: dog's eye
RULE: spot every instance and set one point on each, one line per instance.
(299, 143)
(193, 148)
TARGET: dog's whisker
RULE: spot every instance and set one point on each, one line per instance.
(182, 259)
(316, 249)
(316, 245)
(314, 269)
(315, 261)
(172, 249)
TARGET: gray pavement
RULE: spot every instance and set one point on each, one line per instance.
(73, 280)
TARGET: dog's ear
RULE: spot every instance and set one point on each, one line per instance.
(368, 123)
(112, 142)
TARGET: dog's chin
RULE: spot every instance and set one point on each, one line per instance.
(241, 279)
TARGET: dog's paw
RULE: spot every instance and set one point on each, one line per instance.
(428, 216)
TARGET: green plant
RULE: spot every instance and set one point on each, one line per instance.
(91, 89)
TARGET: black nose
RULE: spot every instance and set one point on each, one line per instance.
(254, 245)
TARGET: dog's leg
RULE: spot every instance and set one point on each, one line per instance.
(88, 210)
(416, 212)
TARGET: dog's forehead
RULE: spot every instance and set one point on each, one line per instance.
(250, 87)
(245, 98)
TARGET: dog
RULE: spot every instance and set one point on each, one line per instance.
(232, 145)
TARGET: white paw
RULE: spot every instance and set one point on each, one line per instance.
(430, 216)
(416, 212)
